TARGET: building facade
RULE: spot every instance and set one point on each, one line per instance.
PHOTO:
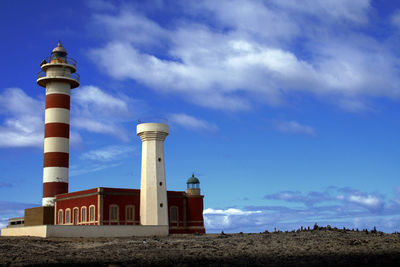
(117, 206)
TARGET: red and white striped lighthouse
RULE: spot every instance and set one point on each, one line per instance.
(58, 76)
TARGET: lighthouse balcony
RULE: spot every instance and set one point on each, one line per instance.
(152, 120)
(64, 76)
(63, 62)
(57, 59)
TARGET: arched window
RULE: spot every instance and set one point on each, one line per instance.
(114, 212)
(83, 214)
(60, 217)
(130, 213)
(173, 214)
(75, 216)
(67, 216)
(92, 212)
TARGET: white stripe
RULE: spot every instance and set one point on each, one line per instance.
(58, 88)
(55, 174)
(56, 144)
(48, 201)
(57, 115)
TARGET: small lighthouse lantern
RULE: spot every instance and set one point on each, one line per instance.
(193, 186)
(59, 54)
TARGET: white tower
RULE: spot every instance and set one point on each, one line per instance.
(58, 77)
(153, 193)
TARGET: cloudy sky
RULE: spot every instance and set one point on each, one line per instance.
(287, 111)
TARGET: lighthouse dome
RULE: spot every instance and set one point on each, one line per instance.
(59, 50)
(193, 180)
(193, 186)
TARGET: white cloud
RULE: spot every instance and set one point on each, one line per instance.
(192, 123)
(91, 125)
(76, 170)
(16, 101)
(337, 207)
(101, 159)
(371, 202)
(11, 210)
(251, 17)
(294, 127)
(192, 81)
(229, 212)
(96, 111)
(355, 11)
(132, 26)
(23, 125)
(396, 18)
(109, 153)
(93, 98)
(226, 219)
(75, 138)
(93, 110)
(354, 105)
(251, 53)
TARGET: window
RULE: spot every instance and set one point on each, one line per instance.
(130, 213)
(174, 214)
(67, 216)
(83, 214)
(92, 213)
(75, 217)
(114, 216)
(60, 217)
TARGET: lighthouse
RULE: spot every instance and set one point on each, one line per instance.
(153, 192)
(58, 76)
(102, 211)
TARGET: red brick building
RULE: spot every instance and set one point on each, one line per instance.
(118, 206)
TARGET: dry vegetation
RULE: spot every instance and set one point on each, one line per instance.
(314, 247)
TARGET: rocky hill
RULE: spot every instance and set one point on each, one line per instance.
(321, 246)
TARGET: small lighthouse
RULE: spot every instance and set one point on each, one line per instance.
(58, 76)
(193, 186)
(153, 192)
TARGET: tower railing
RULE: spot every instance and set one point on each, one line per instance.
(65, 60)
(152, 119)
(74, 76)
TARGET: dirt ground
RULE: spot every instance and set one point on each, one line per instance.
(302, 248)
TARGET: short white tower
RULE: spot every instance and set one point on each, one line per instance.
(153, 193)
(58, 76)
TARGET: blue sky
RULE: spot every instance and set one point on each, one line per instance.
(287, 111)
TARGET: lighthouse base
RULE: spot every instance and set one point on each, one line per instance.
(87, 231)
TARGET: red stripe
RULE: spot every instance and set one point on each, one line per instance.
(58, 101)
(56, 159)
(55, 129)
(54, 188)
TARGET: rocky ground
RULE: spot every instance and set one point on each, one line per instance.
(327, 247)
